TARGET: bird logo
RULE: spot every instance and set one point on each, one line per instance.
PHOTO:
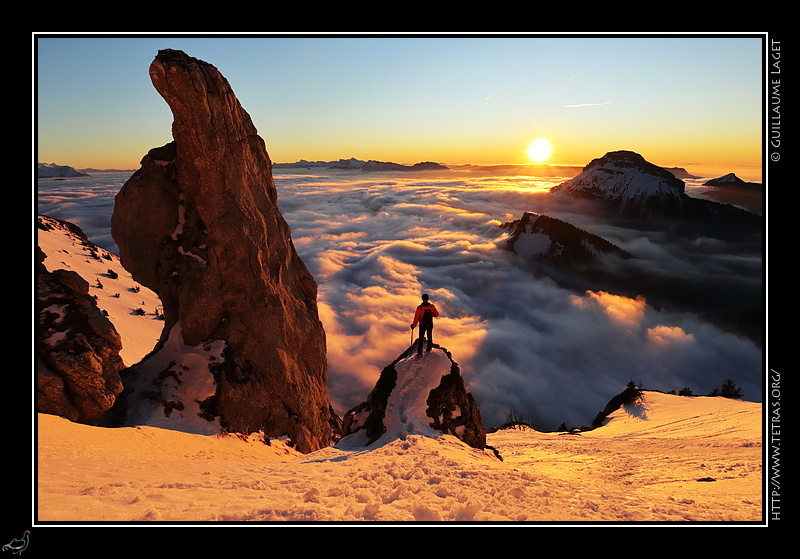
(18, 545)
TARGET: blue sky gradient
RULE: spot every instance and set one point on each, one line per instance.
(675, 100)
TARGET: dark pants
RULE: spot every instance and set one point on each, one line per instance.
(423, 328)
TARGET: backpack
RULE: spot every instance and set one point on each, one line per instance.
(427, 315)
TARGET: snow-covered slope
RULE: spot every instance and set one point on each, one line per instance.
(673, 459)
(133, 309)
(624, 180)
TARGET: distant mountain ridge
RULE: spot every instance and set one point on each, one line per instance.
(572, 257)
(360, 165)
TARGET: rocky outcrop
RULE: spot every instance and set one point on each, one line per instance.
(199, 224)
(630, 397)
(454, 411)
(418, 394)
(77, 349)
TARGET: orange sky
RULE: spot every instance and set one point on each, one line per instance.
(449, 100)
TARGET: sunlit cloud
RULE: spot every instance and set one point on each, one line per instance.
(376, 242)
(668, 336)
(620, 309)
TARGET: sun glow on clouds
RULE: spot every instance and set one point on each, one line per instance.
(621, 310)
(367, 324)
(668, 336)
(540, 150)
(630, 313)
(376, 241)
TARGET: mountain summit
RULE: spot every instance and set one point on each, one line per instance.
(243, 348)
(626, 182)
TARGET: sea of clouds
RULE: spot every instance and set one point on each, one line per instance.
(376, 241)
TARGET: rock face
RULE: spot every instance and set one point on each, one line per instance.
(77, 349)
(624, 181)
(199, 224)
(423, 395)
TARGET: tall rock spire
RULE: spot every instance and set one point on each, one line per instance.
(199, 224)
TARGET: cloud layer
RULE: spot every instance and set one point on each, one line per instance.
(376, 241)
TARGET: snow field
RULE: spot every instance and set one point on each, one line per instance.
(664, 468)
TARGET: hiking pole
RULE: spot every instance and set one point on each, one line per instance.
(412, 335)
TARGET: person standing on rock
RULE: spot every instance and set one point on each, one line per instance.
(424, 316)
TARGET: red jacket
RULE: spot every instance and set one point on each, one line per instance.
(421, 310)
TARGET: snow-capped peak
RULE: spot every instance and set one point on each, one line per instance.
(625, 180)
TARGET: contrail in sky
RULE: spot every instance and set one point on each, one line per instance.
(585, 105)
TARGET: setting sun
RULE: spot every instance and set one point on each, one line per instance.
(539, 151)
